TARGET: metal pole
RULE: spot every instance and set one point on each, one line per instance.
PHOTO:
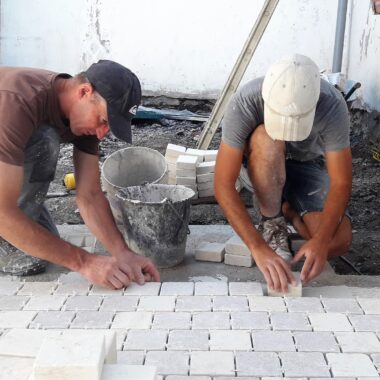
(339, 36)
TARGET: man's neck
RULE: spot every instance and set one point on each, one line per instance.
(64, 88)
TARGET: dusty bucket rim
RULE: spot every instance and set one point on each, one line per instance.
(188, 192)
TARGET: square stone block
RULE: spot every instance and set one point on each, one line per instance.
(365, 322)
(193, 303)
(355, 365)
(83, 303)
(190, 340)
(306, 304)
(304, 364)
(236, 246)
(212, 363)
(92, 320)
(37, 288)
(177, 289)
(119, 303)
(16, 319)
(245, 289)
(238, 260)
(211, 320)
(330, 322)
(171, 321)
(52, 320)
(205, 167)
(132, 320)
(169, 362)
(369, 305)
(123, 371)
(266, 303)
(275, 341)
(217, 288)
(148, 289)
(358, 342)
(258, 364)
(290, 321)
(12, 303)
(213, 252)
(145, 340)
(227, 340)
(156, 303)
(250, 320)
(315, 341)
(342, 305)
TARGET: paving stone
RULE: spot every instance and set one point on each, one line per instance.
(12, 302)
(193, 303)
(244, 378)
(341, 305)
(88, 319)
(187, 162)
(184, 173)
(148, 289)
(293, 291)
(132, 320)
(70, 357)
(72, 278)
(216, 288)
(205, 167)
(188, 340)
(145, 340)
(245, 289)
(9, 288)
(365, 322)
(206, 186)
(131, 357)
(211, 320)
(238, 260)
(16, 319)
(52, 320)
(210, 155)
(227, 340)
(230, 303)
(213, 252)
(204, 178)
(37, 288)
(13, 368)
(174, 150)
(358, 342)
(172, 321)
(75, 288)
(276, 341)
(304, 364)
(351, 365)
(307, 305)
(101, 291)
(120, 338)
(169, 362)
(266, 304)
(250, 321)
(370, 305)
(206, 193)
(318, 341)
(236, 246)
(258, 364)
(124, 371)
(156, 303)
(119, 303)
(290, 321)
(83, 303)
(196, 152)
(376, 360)
(45, 303)
(330, 322)
(177, 289)
(182, 377)
(212, 363)
(186, 181)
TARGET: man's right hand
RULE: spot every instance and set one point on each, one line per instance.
(276, 271)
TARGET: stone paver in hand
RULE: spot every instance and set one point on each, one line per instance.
(355, 365)
(177, 289)
(230, 303)
(255, 320)
(306, 304)
(342, 305)
(119, 303)
(83, 303)
(211, 320)
(330, 322)
(212, 363)
(358, 342)
(9, 288)
(37, 288)
(16, 319)
(245, 289)
(168, 362)
(275, 341)
(227, 340)
(193, 303)
(45, 303)
(148, 289)
(92, 320)
(370, 305)
(365, 322)
(304, 364)
(12, 302)
(75, 288)
(145, 340)
(131, 357)
(318, 341)
(52, 320)
(290, 321)
(258, 364)
(132, 320)
(266, 303)
(156, 303)
(172, 321)
(188, 340)
(217, 288)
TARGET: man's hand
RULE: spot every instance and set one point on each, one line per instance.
(117, 273)
(315, 253)
(276, 271)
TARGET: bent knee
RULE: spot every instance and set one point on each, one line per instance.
(342, 240)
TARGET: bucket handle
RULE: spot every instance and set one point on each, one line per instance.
(179, 217)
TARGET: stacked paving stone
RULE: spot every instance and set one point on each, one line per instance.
(171, 155)
(202, 330)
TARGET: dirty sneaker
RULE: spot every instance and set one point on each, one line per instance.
(275, 233)
(17, 263)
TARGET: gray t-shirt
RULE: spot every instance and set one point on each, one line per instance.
(330, 130)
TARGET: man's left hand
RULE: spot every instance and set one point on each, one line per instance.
(315, 253)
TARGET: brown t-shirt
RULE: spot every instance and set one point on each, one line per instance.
(28, 99)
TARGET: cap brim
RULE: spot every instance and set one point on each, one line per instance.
(120, 126)
(288, 128)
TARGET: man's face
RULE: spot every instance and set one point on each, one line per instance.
(88, 114)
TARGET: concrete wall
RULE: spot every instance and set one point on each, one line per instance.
(177, 48)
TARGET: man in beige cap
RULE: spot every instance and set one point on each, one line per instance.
(291, 131)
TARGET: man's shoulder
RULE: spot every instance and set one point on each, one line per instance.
(251, 89)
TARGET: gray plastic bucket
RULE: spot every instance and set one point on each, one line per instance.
(131, 166)
(156, 221)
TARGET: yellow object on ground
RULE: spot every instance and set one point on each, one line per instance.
(69, 181)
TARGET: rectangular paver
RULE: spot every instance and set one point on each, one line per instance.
(52, 320)
(227, 340)
(172, 321)
(290, 321)
(83, 303)
(37, 288)
(193, 303)
(275, 341)
(148, 289)
(342, 305)
(16, 319)
(370, 305)
(157, 303)
(318, 341)
(351, 365)
(46, 303)
(92, 320)
(245, 289)
(145, 340)
(131, 357)
(188, 340)
(238, 260)
(75, 288)
(125, 371)
(9, 288)
(217, 288)
(101, 291)
(169, 362)
(304, 364)
(258, 364)
(236, 246)
(358, 342)
(213, 252)
(11, 302)
(119, 303)
(365, 322)
(266, 303)
(255, 320)
(212, 363)
(230, 303)
(211, 321)
(177, 289)
(132, 320)
(305, 304)
(330, 322)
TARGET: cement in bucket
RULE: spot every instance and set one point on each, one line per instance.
(131, 166)
(156, 221)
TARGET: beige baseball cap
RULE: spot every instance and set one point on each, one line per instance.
(290, 91)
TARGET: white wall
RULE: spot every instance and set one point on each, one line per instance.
(177, 48)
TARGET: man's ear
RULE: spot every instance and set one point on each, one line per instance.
(85, 89)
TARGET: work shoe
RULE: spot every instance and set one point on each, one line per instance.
(275, 233)
(17, 263)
